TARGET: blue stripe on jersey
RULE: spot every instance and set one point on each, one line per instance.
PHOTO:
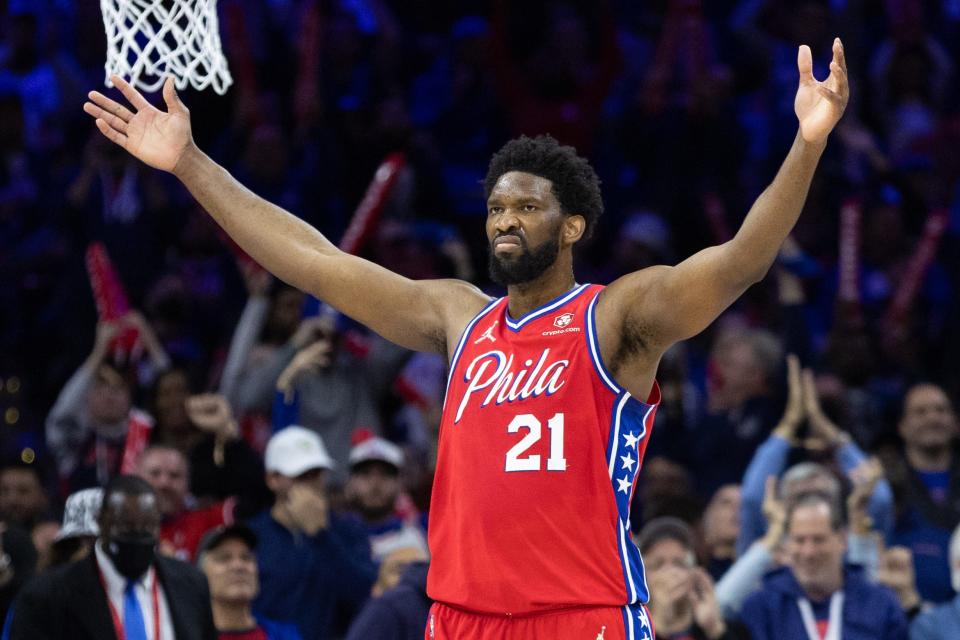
(627, 429)
(594, 349)
(515, 325)
(636, 623)
(463, 341)
(627, 623)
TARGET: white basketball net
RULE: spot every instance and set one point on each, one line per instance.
(148, 40)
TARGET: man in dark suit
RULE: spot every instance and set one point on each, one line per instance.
(123, 589)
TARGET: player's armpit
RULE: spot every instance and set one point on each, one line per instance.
(422, 315)
(664, 305)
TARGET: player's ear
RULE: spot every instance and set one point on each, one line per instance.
(574, 227)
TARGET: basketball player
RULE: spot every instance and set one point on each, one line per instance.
(551, 392)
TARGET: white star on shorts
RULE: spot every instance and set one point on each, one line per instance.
(628, 461)
(631, 439)
(624, 483)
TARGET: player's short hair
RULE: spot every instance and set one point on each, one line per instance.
(575, 183)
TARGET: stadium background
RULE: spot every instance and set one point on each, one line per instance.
(684, 109)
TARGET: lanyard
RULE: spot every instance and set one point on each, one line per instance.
(833, 624)
(118, 623)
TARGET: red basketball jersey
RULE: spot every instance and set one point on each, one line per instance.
(539, 449)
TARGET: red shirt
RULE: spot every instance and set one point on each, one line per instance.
(538, 453)
(181, 534)
(253, 634)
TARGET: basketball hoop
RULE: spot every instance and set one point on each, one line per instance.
(148, 40)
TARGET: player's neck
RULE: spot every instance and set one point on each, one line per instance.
(552, 283)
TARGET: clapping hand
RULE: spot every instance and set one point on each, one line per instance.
(865, 477)
(896, 572)
(794, 413)
(706, 611)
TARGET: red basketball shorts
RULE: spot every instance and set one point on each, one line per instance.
(586, 623)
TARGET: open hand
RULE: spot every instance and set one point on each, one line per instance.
(819, 105)
(155, 137)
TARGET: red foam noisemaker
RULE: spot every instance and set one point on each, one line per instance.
(111, 300)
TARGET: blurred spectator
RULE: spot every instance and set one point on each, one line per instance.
(42, 536)
(399, 612)
(682, 105)
(265, 323)
(817, 595)
(744, 576)
(896, 573)
(313, 562)
(319, 383)
(741, 375)
(823, 436)
(183, 525)
(88, 426)
(25, 70)
(226, 557)
(721, 526)
(222, 464)
(168, 406)
(79, 531)
(123, 588)
(683, 604)
(927, 484)
(666, 489)
(942, 622)
(23, 500)
(555, 86)
(373, 489)
(18, 560)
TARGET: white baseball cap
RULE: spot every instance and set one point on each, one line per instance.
(295, 450)
(377, 449)
(80, 514)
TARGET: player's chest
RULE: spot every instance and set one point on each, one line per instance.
(516, 371)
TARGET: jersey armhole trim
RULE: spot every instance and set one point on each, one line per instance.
(465, 335)
(593, 345)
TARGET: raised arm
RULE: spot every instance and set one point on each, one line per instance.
(665, 304)
(420, 315)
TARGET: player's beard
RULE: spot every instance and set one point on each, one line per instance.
(527, 266)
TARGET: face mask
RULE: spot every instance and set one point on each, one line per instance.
(132, 554)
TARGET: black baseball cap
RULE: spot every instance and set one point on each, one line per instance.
(217, 536)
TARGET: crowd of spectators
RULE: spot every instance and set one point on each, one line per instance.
(806, 448)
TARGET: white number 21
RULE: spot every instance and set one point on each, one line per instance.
(516, 461)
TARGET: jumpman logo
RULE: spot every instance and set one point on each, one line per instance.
(603, 630)
(488, 334)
